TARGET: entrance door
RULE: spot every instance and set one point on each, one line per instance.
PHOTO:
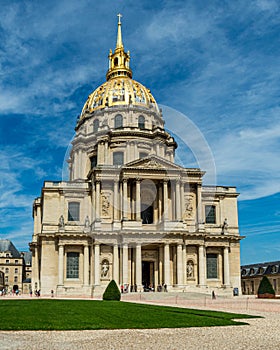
(147, 214)
(147, 275)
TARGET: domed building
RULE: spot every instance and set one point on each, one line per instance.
(128, 212)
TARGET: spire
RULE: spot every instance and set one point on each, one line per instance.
(119, 37)
(119, 60)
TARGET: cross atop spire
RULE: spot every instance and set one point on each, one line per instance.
(119, 37)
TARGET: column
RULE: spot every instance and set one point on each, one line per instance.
(96, 264)
(135, 151)
(138, 267)
(116, 207)
(166, 264)
(160, 203)
(138, 201)
(116, 263)
(124, 199)
(93, 203)
(79, 170)
(179, 265)
(86, 265)
(128, 152)
(165, 200)
(178, 201)
(106, 152)
(184, 264)
(226, 267)
(125, 263)
(97, 200)
(201, 265)
(182, 200)
(160, 265)
(60, 264)
(199, 205)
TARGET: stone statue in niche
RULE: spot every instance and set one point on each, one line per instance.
(105, 268)
(189, 206)
(87, 223)
(190, 272)
(61, 222)
(105, 204)
(225, 226)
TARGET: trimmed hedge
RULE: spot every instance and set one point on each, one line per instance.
(265, 289)
(112, 292)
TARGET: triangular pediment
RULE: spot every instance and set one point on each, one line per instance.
(153, 162)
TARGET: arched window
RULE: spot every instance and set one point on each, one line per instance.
(141, 122)
(118, 121)
(116, 61)
(95, 125)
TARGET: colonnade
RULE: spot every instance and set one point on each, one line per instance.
(120, 268)
(126, 202)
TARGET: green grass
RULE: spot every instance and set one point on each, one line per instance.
(40, 314)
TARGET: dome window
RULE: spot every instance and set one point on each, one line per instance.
(95, 125)
(116, 61)
(141, 122)
(118, 158)
(118, 121)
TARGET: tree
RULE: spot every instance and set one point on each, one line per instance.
(112, 292)
(265, 288)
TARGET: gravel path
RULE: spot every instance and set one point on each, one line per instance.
(261, 333)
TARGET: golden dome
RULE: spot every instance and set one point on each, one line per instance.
(117, 92)
(119, 89)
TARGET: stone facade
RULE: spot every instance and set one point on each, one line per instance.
(129, 213)
(251, 276)
(12, 265)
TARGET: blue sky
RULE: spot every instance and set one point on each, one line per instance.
(216, 62)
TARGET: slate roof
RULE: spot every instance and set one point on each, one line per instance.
(27, 257)
(7, 246)
(260, 269)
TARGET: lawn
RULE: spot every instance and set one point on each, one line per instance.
(40, 314)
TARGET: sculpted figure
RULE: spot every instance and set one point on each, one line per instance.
(61, 222)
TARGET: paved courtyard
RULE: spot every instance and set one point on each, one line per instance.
(261, 333)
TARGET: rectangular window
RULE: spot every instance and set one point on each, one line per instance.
(212, 265)
(15, 279)
(6, 279)
(73, 211)
(210, 214)
(16, 270)
(72, 268)
(16, 261)
(7, 261)
(7, 270)
(118, 158)
(93, 161)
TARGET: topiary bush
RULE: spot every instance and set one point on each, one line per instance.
(265, 289)
(112, 292)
